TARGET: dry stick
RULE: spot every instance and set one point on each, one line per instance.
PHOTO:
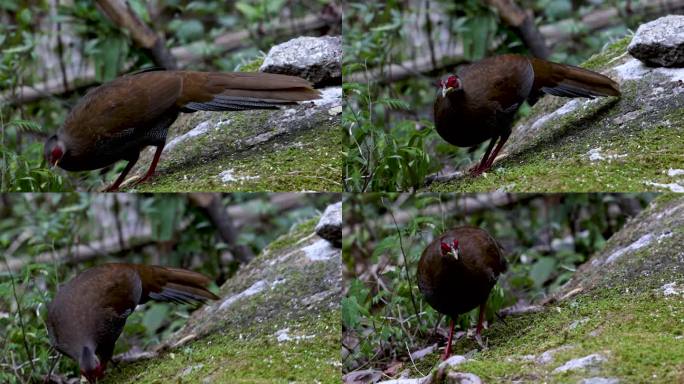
(523, 25)
(60, 53)
(121, 14)
(413, 362)
(15, 369)
(408, 277)
(212, 206)
(116, 208)
(54, 363)
(428, 26)
(21, 319)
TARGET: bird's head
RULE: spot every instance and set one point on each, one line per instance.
(450, 250)
(91, 367)
(54, 150)
(451, 84)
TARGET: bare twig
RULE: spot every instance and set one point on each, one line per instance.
(121, 14)
(428, 27)
(211, 204)
(60, 53)
(523, 25)
(413, 362)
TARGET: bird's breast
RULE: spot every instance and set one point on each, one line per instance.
(463, 123)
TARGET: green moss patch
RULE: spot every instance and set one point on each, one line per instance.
(600, 61)
(249, 355)
(309, 160)
(639, 157)
(292, 238)
(637, 331)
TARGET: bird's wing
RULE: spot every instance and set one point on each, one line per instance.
(128, 103)
(173, 284)
(504, 80)
(123, 289)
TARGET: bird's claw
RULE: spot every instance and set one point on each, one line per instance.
(476, 170)
(480, 342)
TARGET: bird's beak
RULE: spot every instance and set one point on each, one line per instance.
(56, 163)
(446, 90)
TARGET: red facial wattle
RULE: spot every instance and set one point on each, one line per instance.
(453, 82)
(56, 155)
(95, 374)
(445, 248)
(449, 249)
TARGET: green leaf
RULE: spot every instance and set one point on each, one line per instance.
(542, 270)
(188, 30)
(24, 16)
(154, 317)
(350, 312)
(248, 10)
(389, 242)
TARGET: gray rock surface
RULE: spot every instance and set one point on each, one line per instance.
(660, 42)
(363, 376)
(462, 378)
(329, 226)
(317, 59)
(600, 380)
(585, 362)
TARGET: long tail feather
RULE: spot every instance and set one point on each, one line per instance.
(569, 81)
(173, 284)
(216, 91)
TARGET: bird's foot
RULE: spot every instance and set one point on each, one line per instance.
(476, 170)
(480, 342)
(141, 180)
(111, 188)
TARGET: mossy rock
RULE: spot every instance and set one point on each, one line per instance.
(604, 144)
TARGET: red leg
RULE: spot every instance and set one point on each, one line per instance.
(478, 169)
(153, 166)
(491, 159)
(481, 319)
(447, 350)
(122, 176)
